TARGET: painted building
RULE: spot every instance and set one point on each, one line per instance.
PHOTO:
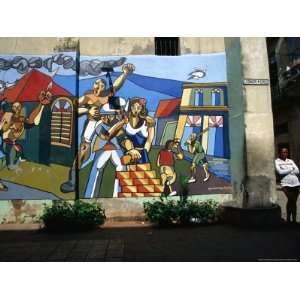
(167, 115)
(47, 138)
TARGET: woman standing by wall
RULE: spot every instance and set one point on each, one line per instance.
(288, 171)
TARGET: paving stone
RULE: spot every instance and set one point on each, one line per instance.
(203, 243)
(41, 251)
(80, 251)
(115, 250)
(114, 259)
(62, 251)
(98, 251)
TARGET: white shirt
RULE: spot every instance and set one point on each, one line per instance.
(288, 170)
(133, 131)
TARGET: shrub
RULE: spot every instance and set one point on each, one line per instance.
(182, 212)
(64, 216)
(161, 213)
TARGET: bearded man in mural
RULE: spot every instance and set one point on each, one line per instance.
(13, 124)
(91, 104)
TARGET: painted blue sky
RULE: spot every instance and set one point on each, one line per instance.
(175, 67)
(12, 75)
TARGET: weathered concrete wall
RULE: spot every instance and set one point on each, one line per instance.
(236, 118)
(105, 45)
(36, 45)
(145, 45)
(117, 46)
(251, 123)
(201, 45)
(116, 209)
(259, 134)
(21, 211)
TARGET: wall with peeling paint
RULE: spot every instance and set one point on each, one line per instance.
(105, 45)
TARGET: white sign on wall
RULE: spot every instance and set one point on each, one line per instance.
(256, 81)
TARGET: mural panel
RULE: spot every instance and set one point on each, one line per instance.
(143, 124)
(37, 128)
(147, 122)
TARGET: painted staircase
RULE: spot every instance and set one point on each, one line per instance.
(139, 181)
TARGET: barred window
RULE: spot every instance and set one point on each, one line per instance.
(167, 46)
(62, 122)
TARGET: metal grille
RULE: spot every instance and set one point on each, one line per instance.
(167, 46)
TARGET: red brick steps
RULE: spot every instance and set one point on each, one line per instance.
(136, 174)
(142, 188)
(129, 195)
(139, 181)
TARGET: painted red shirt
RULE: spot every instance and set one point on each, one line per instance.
(166, 158)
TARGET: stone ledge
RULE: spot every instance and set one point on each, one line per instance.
(250, 217)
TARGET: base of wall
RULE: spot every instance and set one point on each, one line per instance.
(116, 209)
(250, 217)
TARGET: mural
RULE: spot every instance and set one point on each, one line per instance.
(37, 127)
(118, 127)
(147, 122)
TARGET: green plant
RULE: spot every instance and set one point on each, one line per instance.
(64, 216)
(181, 212)
(160, 212)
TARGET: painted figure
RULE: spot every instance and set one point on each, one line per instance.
(136, 132)
(199, 157)
(166, 162)
(13, 125)
(105, 150)
(91, 104)
(3, 187)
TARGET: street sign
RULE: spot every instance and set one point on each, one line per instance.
(256, 81)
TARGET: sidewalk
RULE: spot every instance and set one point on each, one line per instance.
(139, 242)
(136, 241)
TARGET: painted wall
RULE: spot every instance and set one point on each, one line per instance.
(146, 82)
(38, 125)
(45, 87)
(239, 59)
